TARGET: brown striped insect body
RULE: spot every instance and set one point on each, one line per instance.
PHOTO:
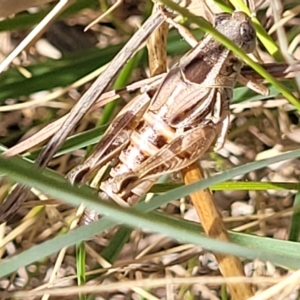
(152, 136)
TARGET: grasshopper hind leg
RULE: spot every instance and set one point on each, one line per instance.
(224, 126)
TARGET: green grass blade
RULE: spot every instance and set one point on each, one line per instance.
(23, 21)
(116, 244)
(17, 169)
(262, 34)
(294, 232)
(121, 81)
(234, 186)
(80, 266)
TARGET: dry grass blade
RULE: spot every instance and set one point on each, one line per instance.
(36, 32)
(151, 283)
(214, 227)
(156, 45)
(278, 70)
(48, 131)
(278, 289)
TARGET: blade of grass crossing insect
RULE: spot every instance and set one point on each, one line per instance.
(260, 31)
(230, 45)
(74, 195)
(22, 171)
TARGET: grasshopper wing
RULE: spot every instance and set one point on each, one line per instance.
(115, 139)
(180, 153)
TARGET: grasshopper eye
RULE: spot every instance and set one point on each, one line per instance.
(248, 36)
(246, 30)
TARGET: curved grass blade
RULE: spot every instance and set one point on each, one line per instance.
(18, 169)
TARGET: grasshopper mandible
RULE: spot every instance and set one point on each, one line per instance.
(166, 132)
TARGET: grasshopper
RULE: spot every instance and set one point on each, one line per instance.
(164, 133)
(160, 133)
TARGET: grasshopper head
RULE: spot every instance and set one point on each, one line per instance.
(237, 27)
